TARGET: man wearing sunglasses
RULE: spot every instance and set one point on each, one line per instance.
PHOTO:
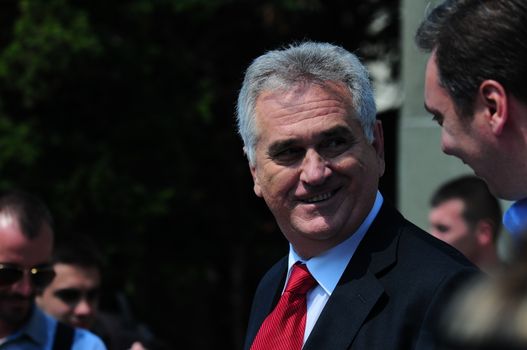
(26, 241)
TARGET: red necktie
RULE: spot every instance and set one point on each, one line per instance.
(283, 329)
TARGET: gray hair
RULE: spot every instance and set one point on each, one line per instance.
(299, 63)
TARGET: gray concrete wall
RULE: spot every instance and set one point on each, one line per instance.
(422, 165)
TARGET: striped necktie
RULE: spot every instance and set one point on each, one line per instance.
(283, 329)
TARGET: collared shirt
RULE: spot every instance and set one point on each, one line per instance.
(328, 267)
(39, 333)
(515, 219)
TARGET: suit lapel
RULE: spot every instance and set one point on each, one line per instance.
(358, 290)
(344, 314)
(266, 298)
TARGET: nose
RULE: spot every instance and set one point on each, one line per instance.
(24, 286)
(84, 308)
(315, 168)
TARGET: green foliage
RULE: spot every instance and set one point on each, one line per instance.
(194, 6)
(18, 147)
(47, 36)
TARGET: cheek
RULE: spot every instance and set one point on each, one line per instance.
(434, 232)
(366, 170)
(447, 142)
(65, 309)
(278, 182)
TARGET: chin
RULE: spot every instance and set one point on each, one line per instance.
(316, 231)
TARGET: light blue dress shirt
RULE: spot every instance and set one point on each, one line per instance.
(39, 333)
(328, 267)
(515, 219)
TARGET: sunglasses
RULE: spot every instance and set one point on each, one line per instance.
(72, 296)
(40, 275)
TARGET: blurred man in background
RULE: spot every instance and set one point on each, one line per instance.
(467, 216)
(26, 243)
(73, 296)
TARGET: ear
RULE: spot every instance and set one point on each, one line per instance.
(257, 189)
(495, 104)
(484, 233)
(378, 145)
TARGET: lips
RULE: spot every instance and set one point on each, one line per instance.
(319, 197)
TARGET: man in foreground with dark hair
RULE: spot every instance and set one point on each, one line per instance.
(475, 89)
(26, 243)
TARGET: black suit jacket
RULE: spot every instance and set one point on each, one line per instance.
(389, 295)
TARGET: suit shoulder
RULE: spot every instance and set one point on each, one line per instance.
(420, 245)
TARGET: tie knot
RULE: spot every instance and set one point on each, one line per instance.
(300, 281)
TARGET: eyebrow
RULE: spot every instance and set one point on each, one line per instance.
(431, 110)
(336, 131)
(278, 146)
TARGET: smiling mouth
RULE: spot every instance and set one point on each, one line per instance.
(319, 198)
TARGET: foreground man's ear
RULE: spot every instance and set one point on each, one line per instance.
(257, 189)
(494, 100)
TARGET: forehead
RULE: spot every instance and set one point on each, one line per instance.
(303, 102)
(437, 99)
(432, 82)
(449, 208)
(70, 275)
(18, 249)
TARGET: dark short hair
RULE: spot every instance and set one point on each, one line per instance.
(31, 212)
(476, 40)
(480, 204)
(77, 249)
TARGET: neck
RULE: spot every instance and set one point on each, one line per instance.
(488, 261)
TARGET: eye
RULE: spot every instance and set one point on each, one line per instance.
(442, 228)
(69, 295)
(334, 146)
(438, 118)
(287, 155)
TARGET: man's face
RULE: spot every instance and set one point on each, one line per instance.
(16, 249)
(447, 223)
(73, 295)
(314, 167)
(470, 138)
